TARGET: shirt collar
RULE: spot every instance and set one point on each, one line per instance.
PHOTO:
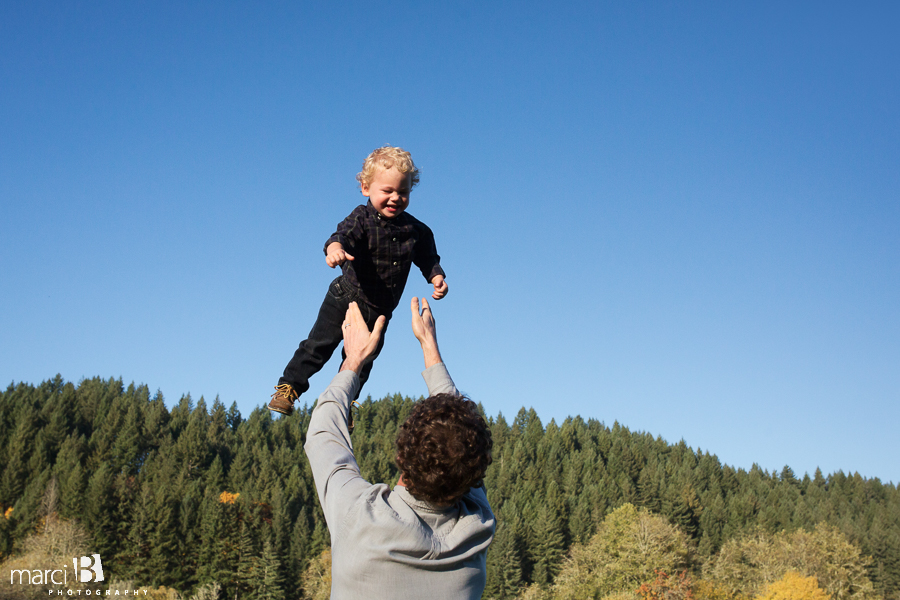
(421, 504)
(398, 220)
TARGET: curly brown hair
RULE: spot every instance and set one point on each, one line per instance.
(443, 448)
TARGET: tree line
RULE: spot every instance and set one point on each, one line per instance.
(200, 496)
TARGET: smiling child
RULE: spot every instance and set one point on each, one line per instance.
(375, 247)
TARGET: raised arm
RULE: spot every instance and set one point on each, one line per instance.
(328, 446)
(436, 375)
(359, 342)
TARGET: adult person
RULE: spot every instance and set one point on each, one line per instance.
(428, 536)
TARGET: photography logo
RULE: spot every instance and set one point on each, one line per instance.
(91, 569)
(88, 569)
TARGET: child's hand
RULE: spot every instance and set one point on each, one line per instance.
(336, 255)
(440, 287)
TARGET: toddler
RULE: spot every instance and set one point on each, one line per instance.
(375, 247)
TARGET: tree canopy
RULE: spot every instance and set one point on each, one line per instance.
(198, 494)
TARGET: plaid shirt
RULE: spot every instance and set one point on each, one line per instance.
(383, 250)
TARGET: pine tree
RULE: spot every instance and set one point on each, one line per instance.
(99, 507)
(15, 473)
(300, 542)
(71, 476)
(504, 564)
(549, 547)
(135, 559)
(128, 449)
(234, 419)
(270, 581)
(883, 545)
(506, 556)
(152, 481)
(247, 573)
(712, 525)
(648, 486)
(164, 557)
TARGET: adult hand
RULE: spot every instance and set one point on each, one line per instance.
(424, 329)
(440, 287)
(336, 255)
(359, 342)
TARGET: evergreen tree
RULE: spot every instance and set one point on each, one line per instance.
(247, 572)
(15, 471)
(71, 476)
(504, 562)
(549, 547)
(648, 488)
(128, 450)
(270, 581)
(164, 560)
(135, 559)
(166, 496)
(300, 542)
(99, 509)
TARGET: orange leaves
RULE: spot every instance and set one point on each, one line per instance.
(228, 498)
(667, 588)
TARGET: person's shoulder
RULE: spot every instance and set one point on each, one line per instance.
(359, 211)
(411, 219)
(356, 215)
(359, 219)
(416, 223)
(477, 501)
(477, 494)
(379, 504)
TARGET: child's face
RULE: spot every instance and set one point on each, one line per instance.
(388, 191)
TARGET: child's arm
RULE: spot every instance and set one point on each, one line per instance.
(336, 255)
(349, 233)
(425, 257)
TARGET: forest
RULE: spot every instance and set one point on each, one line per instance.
(200, 500)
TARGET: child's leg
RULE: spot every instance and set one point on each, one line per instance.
(370, 315)
(323, 338)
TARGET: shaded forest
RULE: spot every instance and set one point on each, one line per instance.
(199, 495)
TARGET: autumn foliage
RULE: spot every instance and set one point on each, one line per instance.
(665, 587)
(793, 586)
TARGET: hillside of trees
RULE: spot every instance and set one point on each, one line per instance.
(200, 498)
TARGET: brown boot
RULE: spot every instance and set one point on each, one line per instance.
(283, 399)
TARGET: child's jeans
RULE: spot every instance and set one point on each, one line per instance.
(325, 336)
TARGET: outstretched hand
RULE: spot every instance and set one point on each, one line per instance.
(424, 329)
(359, 342)
(336, 255)
(337, 258)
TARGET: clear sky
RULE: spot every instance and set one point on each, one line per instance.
(684, 217)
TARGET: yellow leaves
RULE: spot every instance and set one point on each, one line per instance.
(745, 565)
(228, 498)
(794, 586)
(317, 578)
(8, 513)
(629, 544)
(709, 590)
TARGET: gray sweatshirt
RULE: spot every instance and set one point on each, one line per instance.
(385, 543)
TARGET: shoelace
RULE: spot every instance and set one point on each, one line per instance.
(286, 390)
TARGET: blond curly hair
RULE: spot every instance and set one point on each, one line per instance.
(385, 158)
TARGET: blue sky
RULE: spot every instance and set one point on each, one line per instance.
(680, 217)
